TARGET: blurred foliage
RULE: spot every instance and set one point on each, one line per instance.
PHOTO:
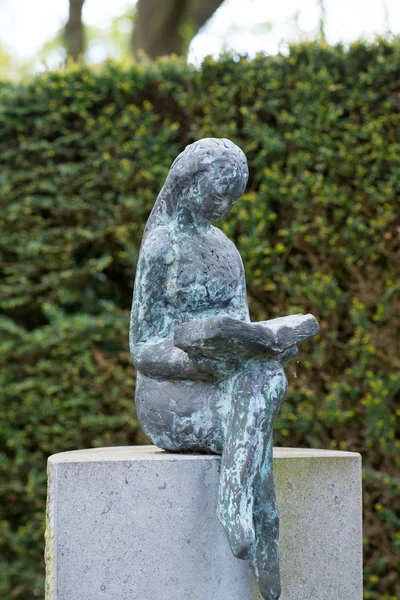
(84, 153)
(5, 62)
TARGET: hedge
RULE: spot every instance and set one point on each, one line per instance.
(83, 154)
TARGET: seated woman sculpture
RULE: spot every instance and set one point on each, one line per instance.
(209, 380)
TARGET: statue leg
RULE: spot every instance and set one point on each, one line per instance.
(265, 555)
(182, 416)
(246, 504)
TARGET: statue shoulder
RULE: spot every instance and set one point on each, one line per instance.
(222, 240)
(221, 237)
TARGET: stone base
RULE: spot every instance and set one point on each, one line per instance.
(137, 523)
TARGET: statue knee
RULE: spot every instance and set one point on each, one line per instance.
(272, 382)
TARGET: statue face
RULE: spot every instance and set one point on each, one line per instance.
(208, 177)
(217, 190)
(217, 207)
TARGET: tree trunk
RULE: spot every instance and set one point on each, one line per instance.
(73, 32)
(322, 16)
(167, 26)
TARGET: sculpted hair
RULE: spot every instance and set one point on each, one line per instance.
(217, 158)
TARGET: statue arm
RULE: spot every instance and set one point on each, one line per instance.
(163, 360)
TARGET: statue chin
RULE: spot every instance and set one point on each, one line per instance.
(209, 380)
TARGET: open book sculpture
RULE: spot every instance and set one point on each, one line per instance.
(209, 380)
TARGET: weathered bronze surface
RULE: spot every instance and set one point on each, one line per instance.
(209, 380)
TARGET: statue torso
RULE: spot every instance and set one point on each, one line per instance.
(204, 272)
(194, 274)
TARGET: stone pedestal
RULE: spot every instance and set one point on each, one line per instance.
(137, 523)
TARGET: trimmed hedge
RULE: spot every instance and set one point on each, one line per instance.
(83, 154)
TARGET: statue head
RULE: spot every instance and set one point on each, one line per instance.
(208, 177)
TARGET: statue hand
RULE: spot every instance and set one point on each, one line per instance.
(214, 368)
(288, 354)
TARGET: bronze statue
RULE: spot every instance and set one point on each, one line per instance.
(209, 380)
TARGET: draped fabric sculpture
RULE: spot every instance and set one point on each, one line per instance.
(209, 380)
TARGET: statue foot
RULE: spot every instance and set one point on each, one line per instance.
(268, 582)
